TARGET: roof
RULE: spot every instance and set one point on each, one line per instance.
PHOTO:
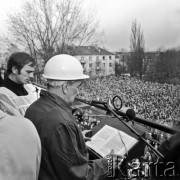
(87, 50)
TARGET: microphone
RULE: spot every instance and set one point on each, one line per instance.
(127, 112)
(130, 113)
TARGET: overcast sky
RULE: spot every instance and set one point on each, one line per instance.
(159, 20)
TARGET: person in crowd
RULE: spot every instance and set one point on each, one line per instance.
(20, 147)
(64, 153)
(17, 90)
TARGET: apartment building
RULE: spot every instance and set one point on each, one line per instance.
(96, 61)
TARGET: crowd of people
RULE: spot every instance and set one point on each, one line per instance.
(152, 101)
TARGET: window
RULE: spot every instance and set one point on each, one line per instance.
(110, 64)
(104, 64)
(110, 57)
(82, 58)
(90, 58)
(97, 58)
(90, 65)
(103, 57)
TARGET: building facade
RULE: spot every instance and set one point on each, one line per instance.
(95, 60)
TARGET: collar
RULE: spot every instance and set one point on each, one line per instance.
(9, 81)
(16, 88)
(57, 100)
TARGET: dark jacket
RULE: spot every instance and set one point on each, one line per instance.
(64, 153)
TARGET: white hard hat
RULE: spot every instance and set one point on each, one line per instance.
(64, 67)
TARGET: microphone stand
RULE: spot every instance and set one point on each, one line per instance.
(108, 108)
(137, 119)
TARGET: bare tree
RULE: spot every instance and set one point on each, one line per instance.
(47, 27)
(137, 45)
(7, 48)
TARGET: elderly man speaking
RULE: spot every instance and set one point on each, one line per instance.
(64, 153)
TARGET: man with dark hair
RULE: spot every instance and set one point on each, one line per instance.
(16, 89)
(20, 69)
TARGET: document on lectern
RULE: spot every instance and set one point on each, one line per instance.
(108, 138)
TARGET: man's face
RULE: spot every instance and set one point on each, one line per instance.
(26, 73)
(72, 91)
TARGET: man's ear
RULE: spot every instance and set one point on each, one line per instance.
(65, 87)
(14, 70)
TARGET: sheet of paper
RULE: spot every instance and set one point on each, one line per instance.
(109, 138)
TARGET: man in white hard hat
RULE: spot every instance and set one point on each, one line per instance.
(64, 153)
(17, 90)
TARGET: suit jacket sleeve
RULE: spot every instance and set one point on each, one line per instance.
(69, 155)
